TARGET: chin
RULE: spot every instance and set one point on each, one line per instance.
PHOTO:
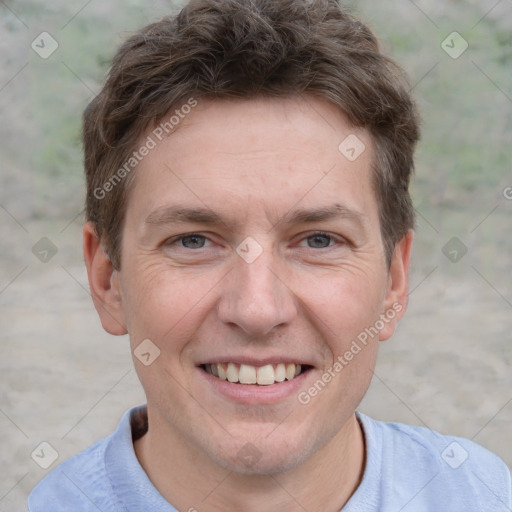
(263, 456)
(269, 463)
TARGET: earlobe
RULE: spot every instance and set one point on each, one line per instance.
(103, 283)
(395, 303)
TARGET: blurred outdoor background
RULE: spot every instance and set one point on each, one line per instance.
(64, 381)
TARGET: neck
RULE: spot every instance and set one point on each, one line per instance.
(190, 480)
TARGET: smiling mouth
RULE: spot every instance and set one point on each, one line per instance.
(260, 375)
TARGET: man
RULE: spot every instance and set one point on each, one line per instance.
(249, 225)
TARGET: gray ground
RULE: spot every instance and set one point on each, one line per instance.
(66, 382)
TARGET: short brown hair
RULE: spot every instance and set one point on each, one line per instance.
(245, 49)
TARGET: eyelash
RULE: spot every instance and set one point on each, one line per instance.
(314, 234)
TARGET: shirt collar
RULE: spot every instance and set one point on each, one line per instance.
(128, 479)
(135, 491)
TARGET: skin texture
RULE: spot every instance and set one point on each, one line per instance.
(252, 162)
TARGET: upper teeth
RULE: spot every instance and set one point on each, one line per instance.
(248, 374)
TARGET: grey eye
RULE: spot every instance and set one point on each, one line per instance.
(319, 241)
(193, 241)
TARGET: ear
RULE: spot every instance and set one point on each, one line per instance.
(397, 294)
(103, 283)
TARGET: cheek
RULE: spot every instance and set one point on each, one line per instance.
(163, 303)
(167, 308)
(344, 302)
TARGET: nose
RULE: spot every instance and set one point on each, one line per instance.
(256, 297)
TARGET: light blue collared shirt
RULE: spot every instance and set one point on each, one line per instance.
(408, 469)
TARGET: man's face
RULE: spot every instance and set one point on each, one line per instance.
(251, 282)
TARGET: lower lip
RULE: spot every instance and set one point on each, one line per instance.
(253, 394)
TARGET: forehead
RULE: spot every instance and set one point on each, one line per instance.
(263, 156)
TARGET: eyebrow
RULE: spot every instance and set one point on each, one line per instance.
(202, 215)
(336, 211)
(175, 214)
